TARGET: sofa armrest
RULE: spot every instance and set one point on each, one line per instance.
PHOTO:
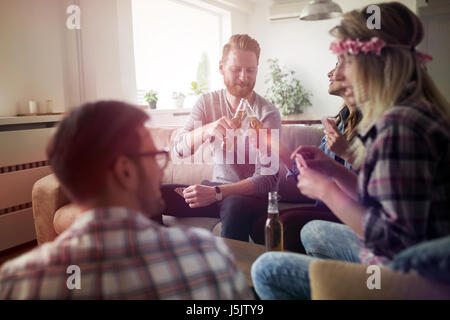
(47, 197)
(337, 280)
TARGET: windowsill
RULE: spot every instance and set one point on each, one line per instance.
(180, 110)
(302, 118)
(38, 118)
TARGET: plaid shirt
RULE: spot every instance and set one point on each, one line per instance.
(124, 255)
(404, 181)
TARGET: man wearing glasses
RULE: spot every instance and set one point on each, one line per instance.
(239, 184)
(106, 161)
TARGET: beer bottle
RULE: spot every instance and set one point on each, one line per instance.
(253, 120)
(274, 228)
(239, 114)
(237, 122)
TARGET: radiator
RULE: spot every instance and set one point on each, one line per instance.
(23, 141)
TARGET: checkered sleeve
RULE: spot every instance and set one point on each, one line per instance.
(398, 173)
(238, 283)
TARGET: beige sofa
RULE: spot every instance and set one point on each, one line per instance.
(337, 280)
(49, 201)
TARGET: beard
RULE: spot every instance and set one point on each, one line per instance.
(239, 91)
(150, 200)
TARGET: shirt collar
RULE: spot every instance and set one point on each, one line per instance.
(367, 132)
(344, 113)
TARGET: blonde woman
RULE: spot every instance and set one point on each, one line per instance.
(336, 143)
(400, 196)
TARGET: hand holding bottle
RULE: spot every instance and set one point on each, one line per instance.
(236, 123)
(217, 128)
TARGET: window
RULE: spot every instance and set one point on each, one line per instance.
(177, 42)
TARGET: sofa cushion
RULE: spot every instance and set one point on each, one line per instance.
(293, 136)
(430, 259)
(47, 196)
(65, 216)
(338, 280)
(190, 170)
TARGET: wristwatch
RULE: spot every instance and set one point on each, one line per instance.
(218, 194)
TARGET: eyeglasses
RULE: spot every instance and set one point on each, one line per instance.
(161, 156)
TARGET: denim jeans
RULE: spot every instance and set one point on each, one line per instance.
(283, 275)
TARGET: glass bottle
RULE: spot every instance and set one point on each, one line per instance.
(237, 122)
(253, 120)
(273, 230)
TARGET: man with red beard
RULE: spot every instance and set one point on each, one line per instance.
(237, 192)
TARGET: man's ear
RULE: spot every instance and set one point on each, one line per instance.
(221, 67)
(125, 173)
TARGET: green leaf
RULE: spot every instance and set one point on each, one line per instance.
(285, 91)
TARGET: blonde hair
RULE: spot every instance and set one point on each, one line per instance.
(241, 42)
(396, 76)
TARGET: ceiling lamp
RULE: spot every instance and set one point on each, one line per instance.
(320, 10)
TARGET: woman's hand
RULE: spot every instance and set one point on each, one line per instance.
(310, 152)
(316, 159)
(199, 196)
(312, 183)
(336, 141)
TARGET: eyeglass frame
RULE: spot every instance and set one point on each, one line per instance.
(164, 151)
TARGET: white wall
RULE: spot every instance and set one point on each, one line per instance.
(31, 54)
(302, 46)
(436, 22)
(42, 59)
(107, 50)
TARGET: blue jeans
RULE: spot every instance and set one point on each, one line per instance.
(283, 275)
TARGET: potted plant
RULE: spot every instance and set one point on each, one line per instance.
(152, 98)
(178, 99)
(196, 89)
(285, 91)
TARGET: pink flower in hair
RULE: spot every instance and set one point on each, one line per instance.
(353, 46)
(357, 46)
(338, 47)
(423, 57)
(374, 45)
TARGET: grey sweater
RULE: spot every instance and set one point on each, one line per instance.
(230, 167)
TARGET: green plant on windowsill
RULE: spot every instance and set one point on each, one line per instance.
(152, 98)
(285, 91)
(197, 88)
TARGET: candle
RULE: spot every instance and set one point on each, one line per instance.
(50, 106)
(32, 105)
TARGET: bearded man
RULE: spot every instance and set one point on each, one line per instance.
(237, 192)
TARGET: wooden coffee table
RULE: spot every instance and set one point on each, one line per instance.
(245, 253)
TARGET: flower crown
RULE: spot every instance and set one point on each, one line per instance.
(374, 45)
